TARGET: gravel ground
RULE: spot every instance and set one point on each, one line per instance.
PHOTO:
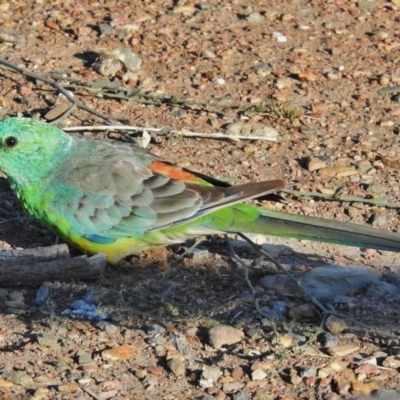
(323, 75)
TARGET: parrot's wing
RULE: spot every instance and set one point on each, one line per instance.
(122, 197)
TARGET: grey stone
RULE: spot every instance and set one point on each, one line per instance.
(179, 341)
(110, 329)
(206, 383)
(48, 340)
(251, 332)
(156, 341)
(281, 284)
(378, 220)
(241, 396)
(17, 377)
(83, 358)
(155, 329)
(177, 366)
(328, 340)
(211, 373)
(328, 281)
(106, 29)
(377, 189)
(255, 18)
(308, 372)
(149, 381)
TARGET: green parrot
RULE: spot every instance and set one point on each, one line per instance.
(113, 197)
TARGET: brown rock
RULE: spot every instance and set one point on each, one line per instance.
(315, 164)
(237, 372)
(250, 386)
(339, 171)
(154, 370)
(366, 369)
(303, 311)
(140, 373)
(123, 352)
(68, 388)
(342, 351)
(108, 395)
(232, 387)
(110, 385)
(335, 325)
(264, 365)
(223, 335)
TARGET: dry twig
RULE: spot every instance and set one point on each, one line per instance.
(161, 131)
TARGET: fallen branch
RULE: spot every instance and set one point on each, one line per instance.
(28, 268)
(38, 254)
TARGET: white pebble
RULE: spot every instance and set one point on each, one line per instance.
(219, 81)
(280, 37)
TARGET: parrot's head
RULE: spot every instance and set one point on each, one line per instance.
(29, 149)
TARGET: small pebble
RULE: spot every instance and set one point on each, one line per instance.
(279, 37)
(140, 373)
(234, 386)
(211, 373)
(315, 164)
(83, 358)
(328, 340)
(244, 396)
(342, 351)
(258, 374)
(155, 329)
(295, 379)
(335, 325)
(391, 362)
(110, 329)
(48, 340)
(237, 373)
(177, 365)
(255, 18)
(379, 220)
(308, 372)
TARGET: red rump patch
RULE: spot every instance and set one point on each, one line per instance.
(172, 172)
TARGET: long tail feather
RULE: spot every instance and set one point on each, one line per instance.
(244, 218)
(324, 230)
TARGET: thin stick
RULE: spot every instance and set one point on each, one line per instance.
(60, 88)
(162, 131)
(260, 250)
(246, 277)
(349, 199)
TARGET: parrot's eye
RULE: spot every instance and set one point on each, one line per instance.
(11, 141)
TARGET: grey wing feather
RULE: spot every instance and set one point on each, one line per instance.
(106, 190)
